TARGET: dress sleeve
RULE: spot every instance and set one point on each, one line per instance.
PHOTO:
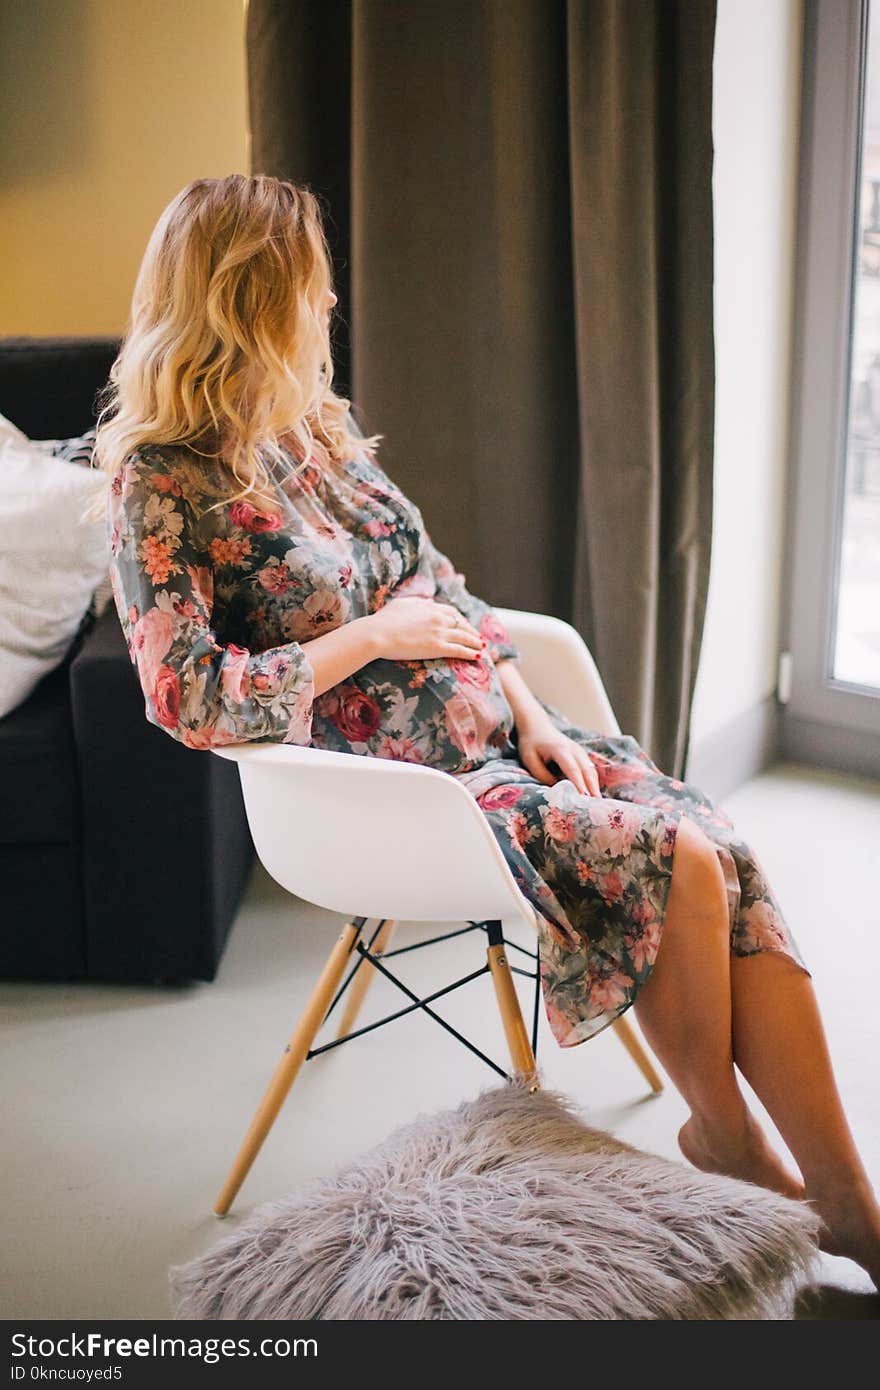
(203, 693)
(451, 588)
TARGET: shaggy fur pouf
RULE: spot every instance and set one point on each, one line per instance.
(508, 1207)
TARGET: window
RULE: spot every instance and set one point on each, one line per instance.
(830, 680)
(856, 622)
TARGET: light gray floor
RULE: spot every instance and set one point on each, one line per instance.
(124, 1106)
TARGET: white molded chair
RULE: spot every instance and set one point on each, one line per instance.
(400, 808)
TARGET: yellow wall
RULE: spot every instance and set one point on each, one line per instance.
(108, 108)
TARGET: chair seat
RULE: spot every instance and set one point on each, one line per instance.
(408, 842)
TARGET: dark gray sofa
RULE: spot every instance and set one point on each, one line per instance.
(123, 854)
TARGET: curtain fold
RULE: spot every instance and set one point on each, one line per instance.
(522, 231)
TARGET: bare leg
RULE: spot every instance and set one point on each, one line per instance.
(781, 1049)
(685, 1011)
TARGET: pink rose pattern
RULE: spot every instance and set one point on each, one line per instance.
(215, 606)
(599, 869)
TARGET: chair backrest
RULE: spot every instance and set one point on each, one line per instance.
(558, 666)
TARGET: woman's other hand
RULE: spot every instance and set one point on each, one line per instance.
(540, 746)
(540, 742)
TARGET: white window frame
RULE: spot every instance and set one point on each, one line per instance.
(823, 720)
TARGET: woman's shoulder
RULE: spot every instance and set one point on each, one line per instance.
(196, 476)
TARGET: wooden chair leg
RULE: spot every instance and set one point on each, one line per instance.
(519, 1046)
(291, 1060)
(624, 1031)
(366, 973)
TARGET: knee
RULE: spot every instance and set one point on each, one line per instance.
(695, 857)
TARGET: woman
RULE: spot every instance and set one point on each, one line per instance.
(274, 584)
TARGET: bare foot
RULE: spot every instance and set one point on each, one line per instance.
(851, 1215)
(749, 1157)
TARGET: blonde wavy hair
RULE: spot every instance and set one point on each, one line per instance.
(227, 348)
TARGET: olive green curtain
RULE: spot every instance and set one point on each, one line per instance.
(518, 197)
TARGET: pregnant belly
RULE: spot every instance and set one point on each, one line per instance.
(452, 715)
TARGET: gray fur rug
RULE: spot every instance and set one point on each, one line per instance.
(508, 1207)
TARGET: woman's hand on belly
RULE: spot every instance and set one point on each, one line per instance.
(405, 629)
(418, 629)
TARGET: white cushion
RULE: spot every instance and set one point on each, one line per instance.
(51, 562)
(9, 430)
(79, 449)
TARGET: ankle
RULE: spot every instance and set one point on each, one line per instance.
(731, 1129)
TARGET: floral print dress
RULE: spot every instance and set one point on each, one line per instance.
(215, 606)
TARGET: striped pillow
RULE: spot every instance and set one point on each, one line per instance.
(78, 449)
